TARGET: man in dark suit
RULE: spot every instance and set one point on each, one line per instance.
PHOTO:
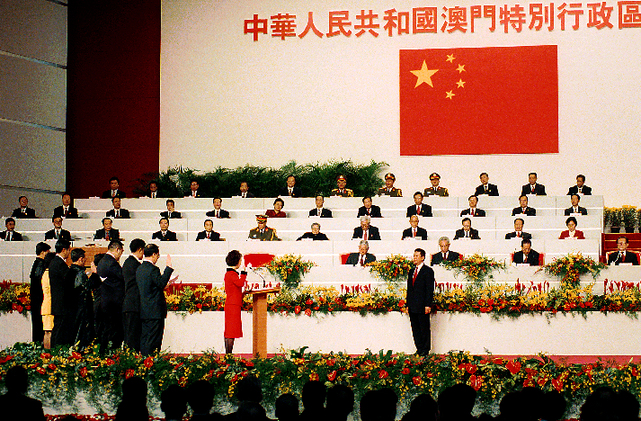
(131, 303)
(194, 188)
(523, 208)
(117, 211)
(467, 231)
(518, 231)
(368, 209)
(10, 234)
(486, 187)
(526, 255)
(61, 294)
(365, 231)
(66, 210)
(107, 232)
(580, 187)
(15, 405)
(114, 189)
(171, 210)
(419, 301)
(623, 256)
(153, 307)
(389, 189)
(419, 208)
(24, 211)
(209, 234)
(533, 187)
(291, 189)
(575, 208)
(57, 232)
(218, 212)
(35, 291)
(362, 257)
(244, 190)
(445, 253)
(314, 235)
(414, 232)
(164, 234)
(112, 295)
(319, 210)
(153, 192)
(473, 210)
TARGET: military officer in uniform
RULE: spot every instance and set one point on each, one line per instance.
(389, 188)
(262, 232)
(341, 182)
(436, 190)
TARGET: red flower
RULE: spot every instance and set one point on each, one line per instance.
(331, 376)
(314, 377)
(52, 367)
(382, 374)
(76, 355)
(401, 303)
(513, 366)
(308, 312)
(129, 373)
(297, 310)
(45, 355)
(416, 380)
(405, 371)
(109, 361)
(40, 370)
(309, 302)
(249, 363)
(476, 382)
(557, 384)
(83, 372)
(149, 362)
(6, 359)
(471, 368)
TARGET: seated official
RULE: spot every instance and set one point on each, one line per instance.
(365, 231)
(575, 208)
(164, 234)
(533, 187)
(315, 234)
(218, 212)
(486, 187)
(473, 210)
(10, 234)
(291, 190)
(518, 231)
(244, 190)
(209, 234)
(171, 212)
(57, 233)
(362, 257)
(389, 189)
(194, 189)
(623, 255)
(66, 210)
(435, 189)
(319, 210)
(580, 187)
(467, 231)
(342, 190)
(368, 209)
(107, 232)
(419, 208)
(526, 255)
(523, 208)
(24, 211)
(152, 191)
(445, 253)
(114, 189)
(262, 232)
(414, 232)
(571, 232)
(277, 212)
(117, 211)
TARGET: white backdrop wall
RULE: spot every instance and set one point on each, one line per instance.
(227, 100)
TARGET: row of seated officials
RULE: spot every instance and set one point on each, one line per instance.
(335, 403)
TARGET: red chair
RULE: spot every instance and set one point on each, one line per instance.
(344, 258)
(258, 259)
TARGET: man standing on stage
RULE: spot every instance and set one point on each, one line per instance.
(112, 293)
(131, 304)
(420, 293)
(61, 292)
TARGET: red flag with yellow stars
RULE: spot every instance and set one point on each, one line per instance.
(477, 101)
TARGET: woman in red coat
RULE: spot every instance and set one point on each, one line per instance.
(234, 284)
(571, 232)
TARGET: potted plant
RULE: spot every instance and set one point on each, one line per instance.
(629, 214)
(615, 219)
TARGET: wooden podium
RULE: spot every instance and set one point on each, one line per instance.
(259, 321)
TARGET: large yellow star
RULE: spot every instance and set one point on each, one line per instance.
(424, 75)
(449, 95)
(460, 83)
(450, 58)
(460, 68)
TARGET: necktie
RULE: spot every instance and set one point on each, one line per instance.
(153, 195)
(362, 260)
(117, 213)
(217, 214)
(472, 212)
(467, 234)
(576, 210)
(524, 258)
(318, 212)
(290, 191)
(414, 232)
(66, 210)
(621, 257)
(164, 233)
(365, 235)
(262, 231)
(369, 211)
(24, 210)
(243, 195)
(532, 189)
(418, 210)
(107, 235)
(518, 234)
(57, 234)
(8, 238)
(113, 193)
(444, 256)
(208, 235)
(486, 188)
(415, 274)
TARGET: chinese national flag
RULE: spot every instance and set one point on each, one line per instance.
(472, 101)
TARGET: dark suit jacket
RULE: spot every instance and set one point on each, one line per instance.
(372, 235)
(124, 213)
(249, 195)
(325, 213)
(630, 257)
(173, 215)
(170, 236)
(112, 289)
(582, 211)
(420, 233)
(539, 189)
(426, 210)
(474, 234)
(420, 293)
(528, 211)
(16, 406)
(354, 258)
(119, 193)
(64, 235)
(297, 192)
(492, 190)
(35, 287)
(524, 235)
(151, 285)
(437, 258)
(532, 258)
(223, 213)
(477, 212)
(30, 213)
(189, 194)
(114, 234)
(15, 236)
(202, 235)
(132, 296)
(316, 237)
(60, 289)
(71, 212)
(375, 212)
(585, 190)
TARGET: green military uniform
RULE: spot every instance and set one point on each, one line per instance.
(393, 192)
(439, 191)
(268, 234)
(343, 192)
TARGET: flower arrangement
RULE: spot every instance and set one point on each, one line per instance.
(289, 269)
(629, 215)
(571, 266)
(477, 269)
(392, 270)
(14, 297)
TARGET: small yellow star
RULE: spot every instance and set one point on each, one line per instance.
(424, 75)
(460, 68)
(449, 95)
(460, 83)
(450, 58)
